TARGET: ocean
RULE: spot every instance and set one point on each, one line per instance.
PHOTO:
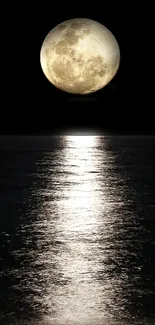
(77, 230)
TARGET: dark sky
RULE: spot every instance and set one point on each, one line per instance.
(32, 105)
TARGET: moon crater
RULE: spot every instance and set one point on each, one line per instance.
(61, 47)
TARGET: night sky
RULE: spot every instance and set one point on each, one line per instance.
(30, 104)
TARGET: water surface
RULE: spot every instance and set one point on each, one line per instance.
(77, 230)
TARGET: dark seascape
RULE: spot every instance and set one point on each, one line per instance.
(77, 230)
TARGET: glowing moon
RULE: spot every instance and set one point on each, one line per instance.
(80, 56)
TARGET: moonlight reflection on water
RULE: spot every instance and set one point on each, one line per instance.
(83, 216)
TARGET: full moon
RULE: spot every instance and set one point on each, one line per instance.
(80, 56)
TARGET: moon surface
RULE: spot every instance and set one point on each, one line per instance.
(80, 56)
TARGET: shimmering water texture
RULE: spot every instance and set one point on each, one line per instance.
(77, 222)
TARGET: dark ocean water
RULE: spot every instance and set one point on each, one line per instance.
(77, 230)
